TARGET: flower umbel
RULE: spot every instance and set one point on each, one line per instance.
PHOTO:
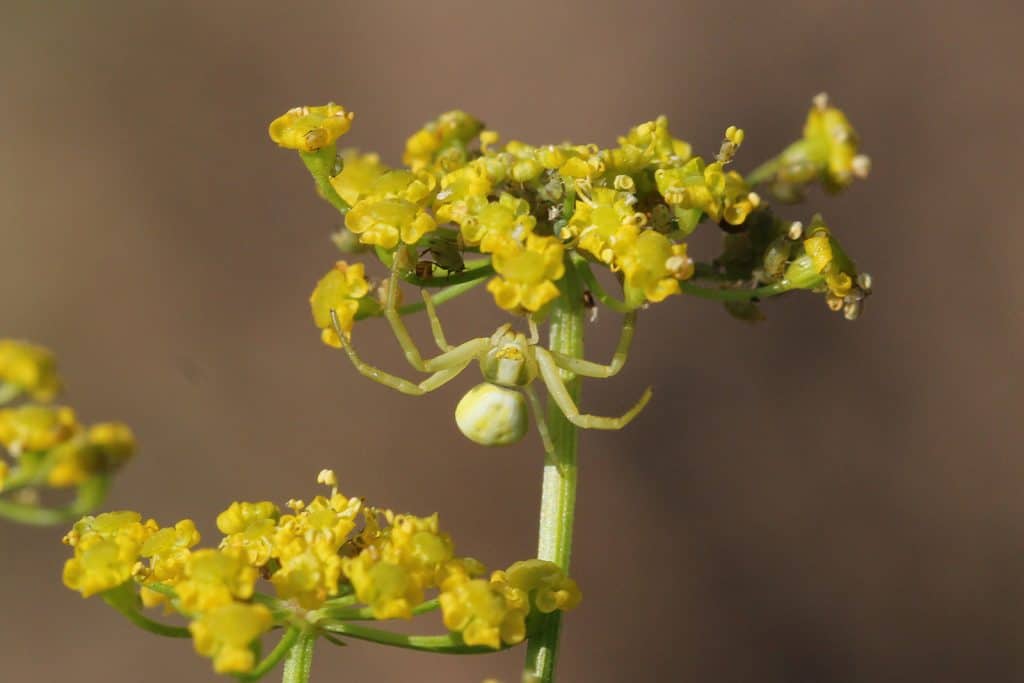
(320, 566)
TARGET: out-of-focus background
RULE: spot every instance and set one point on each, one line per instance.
(804, 500)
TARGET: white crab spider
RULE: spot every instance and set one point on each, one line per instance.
(494, 413)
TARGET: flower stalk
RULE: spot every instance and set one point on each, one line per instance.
(299, 661)
(558, 491)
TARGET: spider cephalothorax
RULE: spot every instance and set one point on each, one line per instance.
(495, 412)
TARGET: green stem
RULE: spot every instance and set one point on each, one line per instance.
(558, 494)
(125, 601)
(320, 164)
(366, 613)
(90, 494)
(444, 295)
(731, 294)
(450, 644)
(764, 172)
(299, 661)
(282, 648)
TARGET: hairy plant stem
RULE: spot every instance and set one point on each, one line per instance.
(558, 493)
(300, 658)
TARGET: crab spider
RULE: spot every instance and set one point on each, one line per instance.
(494, 413)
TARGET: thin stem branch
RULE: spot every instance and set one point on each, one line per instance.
(735, 294)
(366, 613)
(90, 494)
(764, 172)
(282, 648)
(450, 644)
(124, 600)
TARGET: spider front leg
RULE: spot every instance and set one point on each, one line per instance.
(586, 368)
(556, 388)
(398, 328)
(448, 365)
(435, 322)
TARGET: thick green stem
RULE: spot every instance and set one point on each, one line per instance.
(300, 658)
(558, 494)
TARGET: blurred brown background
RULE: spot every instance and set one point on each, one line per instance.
(806, 500)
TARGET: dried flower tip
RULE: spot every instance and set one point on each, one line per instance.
(796, 230)
(820, 101)
(851, 311)
(860, 165)
(864, 282)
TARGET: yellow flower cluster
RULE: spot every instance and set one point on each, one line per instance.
(341, 291)
(51, 446)
(820, 264)
(310, 557)
(48, 445)
(308, 129)
(534, 209)
(828, 151)
(27, 369)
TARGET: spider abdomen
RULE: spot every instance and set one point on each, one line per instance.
(491, 415)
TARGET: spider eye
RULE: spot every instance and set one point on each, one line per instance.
(492, 416)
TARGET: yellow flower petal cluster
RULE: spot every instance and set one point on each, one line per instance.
(102, 448)
(358, 174)
(708, 188)
(213, 578)
(527, 273)
(340, 290)
(604, 223)
(392, 573)
(442, 142)
(106, 547)
(483, 616)
(249, 528)
(226, 632)
(463, 192)
(168, 552)
(394, 209)
(648, 144)
(653, 265)
(307, 545)
(543, 584)
(493, 224)
(28, 369)
(829, 151)
(32, 428)
(308, 129)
